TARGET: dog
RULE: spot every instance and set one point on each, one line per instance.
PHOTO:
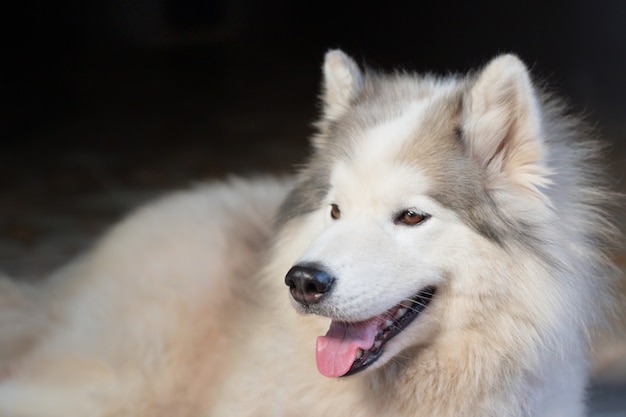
(444, 251)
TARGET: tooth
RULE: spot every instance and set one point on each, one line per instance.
(388, 323)
(377, 344)
(401, 312)
(359, 354)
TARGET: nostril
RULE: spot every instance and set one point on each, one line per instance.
(290, 282)
(308, 283)
(314, 287)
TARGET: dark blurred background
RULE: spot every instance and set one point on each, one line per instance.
(105, 104)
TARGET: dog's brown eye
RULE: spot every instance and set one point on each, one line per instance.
(411, 218)
(335, 213)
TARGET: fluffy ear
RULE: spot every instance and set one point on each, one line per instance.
(502, 125)
(342, 83)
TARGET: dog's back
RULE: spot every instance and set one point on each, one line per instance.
(129, 328)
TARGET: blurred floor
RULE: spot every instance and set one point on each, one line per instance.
(137, 124)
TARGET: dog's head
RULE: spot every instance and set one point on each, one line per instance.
(413, 190)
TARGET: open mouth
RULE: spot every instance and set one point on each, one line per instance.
(349, 348)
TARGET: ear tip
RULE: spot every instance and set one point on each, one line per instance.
(334, 53)
(336, 57)
(339, 67)
(509, 61)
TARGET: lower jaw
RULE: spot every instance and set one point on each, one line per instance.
(365, 363)
(370, 357)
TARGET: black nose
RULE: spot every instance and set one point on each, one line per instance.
(308, 284)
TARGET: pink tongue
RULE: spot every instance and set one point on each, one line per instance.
(336, 352)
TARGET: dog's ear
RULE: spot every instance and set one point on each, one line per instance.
(502, 125)
(342, 83)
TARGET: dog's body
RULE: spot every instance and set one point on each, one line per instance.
(451, 232)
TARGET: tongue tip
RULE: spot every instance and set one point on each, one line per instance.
(336, 351)
(331, 361)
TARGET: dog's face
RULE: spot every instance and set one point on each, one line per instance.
(398, 203)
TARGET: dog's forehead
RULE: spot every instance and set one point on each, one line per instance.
(415, 145)
(401, 129)
(417, 129)
(386, 140)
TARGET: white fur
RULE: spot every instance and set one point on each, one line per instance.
(503, 122)
(342, 82)
(181, 309)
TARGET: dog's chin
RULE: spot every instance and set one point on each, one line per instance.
(352, 347)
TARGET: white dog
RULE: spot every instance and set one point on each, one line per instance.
(446, 243)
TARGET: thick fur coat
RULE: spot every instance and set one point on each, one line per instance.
(450, 239)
